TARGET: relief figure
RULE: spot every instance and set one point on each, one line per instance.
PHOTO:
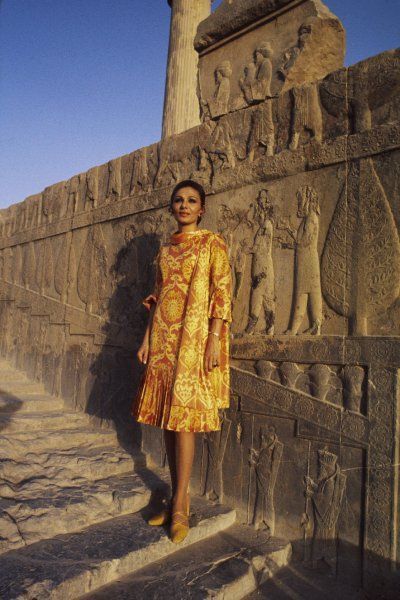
(216, 446)
(91, 189)
(256, 83)
(265, 462)
(326, 494)
(114, 180)
(140, 180)
(306, 114)
(262, 294)
(262, 131)
(221, 151)
(219, 104)
(235, 228)
(290, 57)
(307, 270)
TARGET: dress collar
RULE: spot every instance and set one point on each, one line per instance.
(178, 238)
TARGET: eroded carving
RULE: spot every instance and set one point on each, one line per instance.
(92, 271)
(306, 114)
(265, 461)
(216, 446)
(113, 180)
(320, 376)
(140, 179)
(91, 195)
(261, 139)
(353, 378)
(256, 83)
(262, 294)
(219, 104)
(361, 257)
(326, 494)
(307, 292)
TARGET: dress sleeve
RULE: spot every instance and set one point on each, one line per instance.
(153, 297)
(220, 281)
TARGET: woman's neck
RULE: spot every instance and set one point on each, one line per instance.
(190, 228)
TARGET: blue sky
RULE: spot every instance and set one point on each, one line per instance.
(82, 81)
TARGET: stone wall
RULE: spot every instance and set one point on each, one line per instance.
(310, 445)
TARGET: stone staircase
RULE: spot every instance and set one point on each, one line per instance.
(73, 510)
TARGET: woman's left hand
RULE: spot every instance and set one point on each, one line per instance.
(212, 354)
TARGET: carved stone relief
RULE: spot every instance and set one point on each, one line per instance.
(262, 295)
(266, 461)
(261, 140)
(307, 267)
(140, 179)
(325, 494)
(362, 251)
(219, 104)
(257, 79)
(91, 189)
(370, 86)
(113, 191)
(306, 114)
(92, 271)
(353, 378)
(215, 443)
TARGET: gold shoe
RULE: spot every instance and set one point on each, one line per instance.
(179, 524)
(160, 518)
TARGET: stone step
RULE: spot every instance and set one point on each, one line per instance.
(17, 387)
(7, 373)
(44, 421)
(299, 582)
(20, 443)
(10, 403)
(91, 463)
(229, 565)
(68, 566)
(44, 508)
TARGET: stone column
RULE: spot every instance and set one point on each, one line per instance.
(181, 105)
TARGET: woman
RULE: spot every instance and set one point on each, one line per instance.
(186, 345)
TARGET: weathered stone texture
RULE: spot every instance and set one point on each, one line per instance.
(275, 53)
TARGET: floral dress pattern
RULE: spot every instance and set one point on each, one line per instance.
(193, 284)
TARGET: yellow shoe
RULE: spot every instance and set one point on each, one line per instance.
(160, 518)
(179, 524)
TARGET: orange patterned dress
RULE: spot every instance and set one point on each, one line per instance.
(193, 284)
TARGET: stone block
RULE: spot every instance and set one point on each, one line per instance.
(279, 47)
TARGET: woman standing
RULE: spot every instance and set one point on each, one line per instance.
(186, 345)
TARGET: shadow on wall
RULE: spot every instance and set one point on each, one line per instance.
(9, 404)
(113, 375)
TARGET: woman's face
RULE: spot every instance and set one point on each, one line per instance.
(186, 206)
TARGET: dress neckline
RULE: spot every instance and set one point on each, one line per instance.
(184, 236)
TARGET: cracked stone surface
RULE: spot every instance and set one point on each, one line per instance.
(57, 473)
(68, 566)
(228, 565)
(299, 583)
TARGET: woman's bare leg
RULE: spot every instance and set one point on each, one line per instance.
(170, 448)
(184, 448)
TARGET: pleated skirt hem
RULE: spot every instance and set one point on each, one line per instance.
(153, 406)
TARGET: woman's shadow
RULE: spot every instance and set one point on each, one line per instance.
(114, 374)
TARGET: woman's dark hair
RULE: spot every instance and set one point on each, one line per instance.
(193, 184)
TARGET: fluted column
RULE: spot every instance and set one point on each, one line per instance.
(181, 105)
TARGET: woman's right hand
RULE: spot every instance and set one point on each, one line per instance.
(143, 352)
